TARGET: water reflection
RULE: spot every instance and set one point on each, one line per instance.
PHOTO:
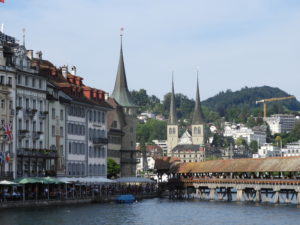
(155, 211)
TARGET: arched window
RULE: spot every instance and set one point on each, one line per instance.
(170, 130)
(174, 130)
(195, 130)
(199, 130)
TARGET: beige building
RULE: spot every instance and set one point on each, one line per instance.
(190, 146)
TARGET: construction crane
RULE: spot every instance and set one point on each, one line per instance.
(264, 101)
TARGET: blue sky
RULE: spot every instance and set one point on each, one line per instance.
(233, 43)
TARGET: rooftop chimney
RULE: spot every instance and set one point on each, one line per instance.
(64, 70)
(73, 70)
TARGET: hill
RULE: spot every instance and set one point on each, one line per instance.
(246, 97)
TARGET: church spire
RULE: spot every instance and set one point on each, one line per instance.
(197, 116)
(172, 115)
(121, 93)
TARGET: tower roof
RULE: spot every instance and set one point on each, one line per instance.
(198, 115)
(121, 93)
(172, 116)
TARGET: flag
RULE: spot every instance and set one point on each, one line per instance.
(7, 158)
(2, 1)
(8, 130)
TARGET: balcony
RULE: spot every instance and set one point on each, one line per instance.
(100, 141)
(36, 134)
(39, 153)
(23, 134)
(29, 112)
(43, 114)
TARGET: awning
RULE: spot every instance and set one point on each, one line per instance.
(38, 180)
(6, 182)
(134, 180)
(85, 180)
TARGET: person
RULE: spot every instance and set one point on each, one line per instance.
(46, 192)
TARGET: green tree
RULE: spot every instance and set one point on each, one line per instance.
(113, 168)
(253, 146)
(240, 141)
(278, 141)
(151, 130)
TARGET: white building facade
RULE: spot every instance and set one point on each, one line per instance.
(254, 134)
(281, 123)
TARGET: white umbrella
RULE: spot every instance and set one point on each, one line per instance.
(6, 182)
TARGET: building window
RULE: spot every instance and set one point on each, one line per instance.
(53, 131)
(40, 84)
(9, 81)
(33, 82)
(20, 124)
(2, 104)
(1, 79)
(20, 102)
(34, 126)
(27, 103)
(41, 106)
(53, 113)
(27, 144)
(103, 117)
(61, 131)
(61, 114)
(34, 104)
(27, 124)
(41, 144)
(19, 78)
(41, 125)
(26, 80)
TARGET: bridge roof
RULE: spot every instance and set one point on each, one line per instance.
(276, 164)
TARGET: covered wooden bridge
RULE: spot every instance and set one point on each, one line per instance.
(266, 179)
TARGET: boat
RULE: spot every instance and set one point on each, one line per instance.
(125, 199)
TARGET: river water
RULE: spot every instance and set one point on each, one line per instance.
(155, 212)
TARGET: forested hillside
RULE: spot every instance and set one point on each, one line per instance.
(238, 106)
(246, 97)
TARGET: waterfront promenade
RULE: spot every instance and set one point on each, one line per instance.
(39, 194)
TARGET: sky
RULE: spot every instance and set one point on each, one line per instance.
(231, 43)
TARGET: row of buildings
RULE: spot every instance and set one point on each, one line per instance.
(52, 124)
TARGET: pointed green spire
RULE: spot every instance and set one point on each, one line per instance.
(172, 116)
(121, 93)
(198, 115)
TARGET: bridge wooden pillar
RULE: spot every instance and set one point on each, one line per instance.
(298, 197)
(239, 194)
(276, 198)
(212, 193)
(258, 195)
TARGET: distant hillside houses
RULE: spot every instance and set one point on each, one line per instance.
(269, 150)
(249, 134)
(144, 116)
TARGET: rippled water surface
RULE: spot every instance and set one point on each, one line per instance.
(155, 211)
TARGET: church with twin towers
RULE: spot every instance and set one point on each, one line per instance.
(190, 147)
